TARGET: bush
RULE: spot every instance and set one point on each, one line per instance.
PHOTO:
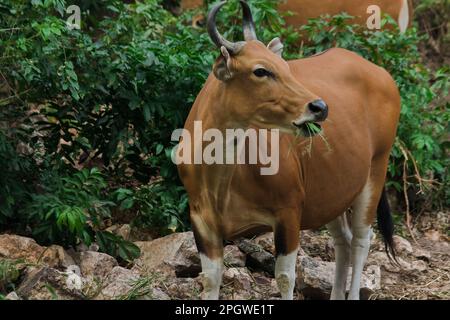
(111, 97)
(157, 207)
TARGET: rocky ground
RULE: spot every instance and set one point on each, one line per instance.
(169, 269)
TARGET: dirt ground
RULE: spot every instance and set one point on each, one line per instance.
(431, 233)
(425, 264)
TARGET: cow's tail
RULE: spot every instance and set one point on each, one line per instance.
(386, 225)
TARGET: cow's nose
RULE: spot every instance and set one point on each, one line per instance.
(319, 109)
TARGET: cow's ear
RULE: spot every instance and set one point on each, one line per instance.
(222, 66)
(276, 46)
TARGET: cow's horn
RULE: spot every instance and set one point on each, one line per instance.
(216, 37)
(247, 22)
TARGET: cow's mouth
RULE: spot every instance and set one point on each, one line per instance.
(309, 129)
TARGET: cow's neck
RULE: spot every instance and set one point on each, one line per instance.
(218, 177)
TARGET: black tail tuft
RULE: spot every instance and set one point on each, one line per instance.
(386, 225)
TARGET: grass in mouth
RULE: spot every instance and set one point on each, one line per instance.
(312, 129)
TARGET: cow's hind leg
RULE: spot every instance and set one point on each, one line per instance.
(363, 215)
(342, 238)
(210, 247)
(286, 234)
(361, 231)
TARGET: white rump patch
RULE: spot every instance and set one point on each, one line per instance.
(403, 18)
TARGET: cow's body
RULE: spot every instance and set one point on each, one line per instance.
(400, 10)
(318, 178)
(302, 10)
(361, 96)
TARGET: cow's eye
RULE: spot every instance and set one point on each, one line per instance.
(261, 72)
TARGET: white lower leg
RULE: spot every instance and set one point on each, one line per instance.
(360, 250)
(285, 274)
(211, 276)
(361, 238)
(342, 238)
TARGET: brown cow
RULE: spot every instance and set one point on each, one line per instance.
(251, 86)
(400, 10)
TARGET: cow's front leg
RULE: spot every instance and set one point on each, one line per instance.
(211, 275)
(286, 235)
(210, 247)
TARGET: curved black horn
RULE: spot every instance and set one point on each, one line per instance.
(247, 22)
(216, 37)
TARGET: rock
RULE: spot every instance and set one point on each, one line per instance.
(122, 283)
(433, 235)
(402, 245)
(329, 248)
(184, 288)
(118, 283)
(233, 257)
(419, 265)
(317, 244)
(238, 284)
(44, 283)
(422, 254)
(266, 242)
(93, 247)
(56, 256)
(267, 286)
(380, 258)
(18, 247)
(315, 278)
(238, 278)
(175, 253)
(158, 294)
(95, 264)
(12, 296)
(257, 257)
(82, 247)
(137, 234)
(123, 230)
(74, 279)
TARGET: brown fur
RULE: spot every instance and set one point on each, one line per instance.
(311, 188)
(306, 9)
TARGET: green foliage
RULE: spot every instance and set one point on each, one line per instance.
(111, 92)
(117, 246)
(72, 210)
(157, 206)
(69, 206)
(17, 171)
(433, 17)
(9, 274)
